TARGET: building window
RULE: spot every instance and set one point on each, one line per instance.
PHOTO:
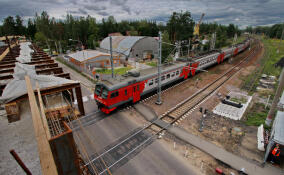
(114, 94)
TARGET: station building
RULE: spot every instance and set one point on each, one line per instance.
(90, 59)
(138, 47)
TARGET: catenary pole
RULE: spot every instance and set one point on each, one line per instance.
(159, 100)
(111, 58)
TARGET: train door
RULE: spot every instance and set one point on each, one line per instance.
(136, 93)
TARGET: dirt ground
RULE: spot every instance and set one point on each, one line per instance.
(20, 137)
(217, 129)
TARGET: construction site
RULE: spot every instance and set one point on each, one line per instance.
(124, 108)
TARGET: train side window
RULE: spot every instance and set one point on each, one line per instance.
(156, 80)
(114, 94)
(163, 77)
(168, 76)
(173, 74)
(125, 91)
(137, 87)
(177, 72)
(151, 83)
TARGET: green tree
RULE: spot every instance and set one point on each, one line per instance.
(231, 30)
(19, 27)
(166, 48)
(43, 24)
(180, 26)
(9, 26)
(31, 29)
(41, 38)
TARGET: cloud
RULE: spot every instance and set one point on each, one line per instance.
(94, 7)
(103, 14)
(240, 12)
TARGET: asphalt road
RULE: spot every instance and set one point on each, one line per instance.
(152, 158)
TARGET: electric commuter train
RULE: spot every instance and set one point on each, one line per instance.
(114, 92)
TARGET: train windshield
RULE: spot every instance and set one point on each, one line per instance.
(101, 91)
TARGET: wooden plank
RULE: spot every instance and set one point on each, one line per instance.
(46, 158)
(42, 110)
(4, 54)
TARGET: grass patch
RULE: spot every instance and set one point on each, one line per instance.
(272, 57)
(266, 64)
(152, 63)
(242, 100)
(75, 69)
(257, 115)
(118, 71)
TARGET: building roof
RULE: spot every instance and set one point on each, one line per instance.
(278, 128)
(121, 44)
(85, 55)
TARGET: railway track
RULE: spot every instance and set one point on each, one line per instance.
(147, 98)
(133, 143)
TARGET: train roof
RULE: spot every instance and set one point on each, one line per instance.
(122, 81)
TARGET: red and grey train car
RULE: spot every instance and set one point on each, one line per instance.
(114, 92)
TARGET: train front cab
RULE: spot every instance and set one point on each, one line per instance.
(101, 95)
(108, 101)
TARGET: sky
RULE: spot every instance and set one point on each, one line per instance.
(240, 12)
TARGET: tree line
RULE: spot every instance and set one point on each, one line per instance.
(274, 31)
(46, 30)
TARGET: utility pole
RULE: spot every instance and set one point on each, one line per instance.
(276, 99)
(233, 45)
(111, 58)
(9, 45)
(60, 48)
(94, 44)
(213, 40)
(159, 100)
(48, 47)
(188, 47)
(56, 46)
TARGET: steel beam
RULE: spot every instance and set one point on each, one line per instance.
(63, 75)
(40, 58)
(6, 77)
(40, 62)
(80, 100)
(52, 90)
(3, 66)
(56, 70)
(6, 71)
(7, 62)
(48, 65)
